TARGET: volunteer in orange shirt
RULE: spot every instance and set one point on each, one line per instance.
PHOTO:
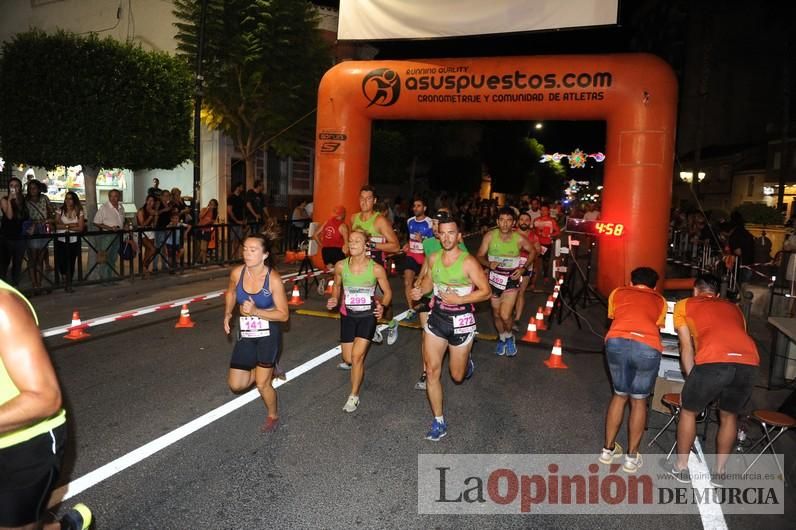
(633, 350)
(724, 369)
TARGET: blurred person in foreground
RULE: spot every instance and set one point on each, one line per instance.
(32, 421)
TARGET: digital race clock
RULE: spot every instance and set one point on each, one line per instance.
(595, 228)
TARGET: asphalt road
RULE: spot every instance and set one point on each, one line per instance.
(134, 381)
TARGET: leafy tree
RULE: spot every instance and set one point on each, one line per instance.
(262, 62)
(512, 159)
(69, 100)
(757, 213)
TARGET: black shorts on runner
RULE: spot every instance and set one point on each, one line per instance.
(252, 352)
(363, 327)
(28, 473)
(730, 383)
(512, 285)
(408, 263)
(332, 255)
(441, 325)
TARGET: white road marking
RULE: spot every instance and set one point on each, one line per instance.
(711, 513)
(133, 457)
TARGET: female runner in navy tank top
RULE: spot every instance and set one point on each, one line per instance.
(256, 288)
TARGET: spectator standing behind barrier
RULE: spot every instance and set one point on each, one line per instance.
(724, 369)
(633, 350)
(178, 231)
(236, 218)
(155, 190)
(207, 217)
(591, 213)
(255, 204)
(742, 244)
(145, 218)
(762, 248)
(13, 244)
(109, 217)
(164, 207)
(70, 219)
(178, 203)
(299, 221)
(41, 213)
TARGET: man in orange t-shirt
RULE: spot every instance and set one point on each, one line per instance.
(724, 369)
(633, 350)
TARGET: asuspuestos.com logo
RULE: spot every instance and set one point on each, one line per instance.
(512, 81)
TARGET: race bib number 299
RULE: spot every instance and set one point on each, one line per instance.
(498, 280)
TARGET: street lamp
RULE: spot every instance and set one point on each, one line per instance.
(688, 176)
(538, 126)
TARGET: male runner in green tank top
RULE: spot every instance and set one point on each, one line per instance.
(32, 421)
(458, 282)
(500, 253)
(381, 239)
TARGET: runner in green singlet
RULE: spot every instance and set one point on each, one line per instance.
(500, 253)
(32, 421)
(458, 282)
(356, 277)
(381, 238)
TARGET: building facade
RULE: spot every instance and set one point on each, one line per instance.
(150, 24)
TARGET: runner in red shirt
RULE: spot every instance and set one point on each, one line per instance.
(332, 236)
(546, 229)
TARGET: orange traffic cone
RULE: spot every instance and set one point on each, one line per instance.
(185, 318)
(329, 286)
(540, 324)
(548, 307)
(77, 330)
(295, 297)
(530, 335)
(556, 360)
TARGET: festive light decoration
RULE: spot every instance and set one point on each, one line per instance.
(577, 158)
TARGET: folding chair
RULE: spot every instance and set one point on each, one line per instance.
(674, 402)
(770, 421)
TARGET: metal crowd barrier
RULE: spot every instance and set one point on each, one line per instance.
(99, 256)
(701, 256)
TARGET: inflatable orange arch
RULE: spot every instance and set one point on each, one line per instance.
(635, 94)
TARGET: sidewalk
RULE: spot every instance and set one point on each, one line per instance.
(55, 309)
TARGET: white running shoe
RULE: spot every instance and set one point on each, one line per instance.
(632, 464)
(392, 333)
(352, 404)
(609, 455)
